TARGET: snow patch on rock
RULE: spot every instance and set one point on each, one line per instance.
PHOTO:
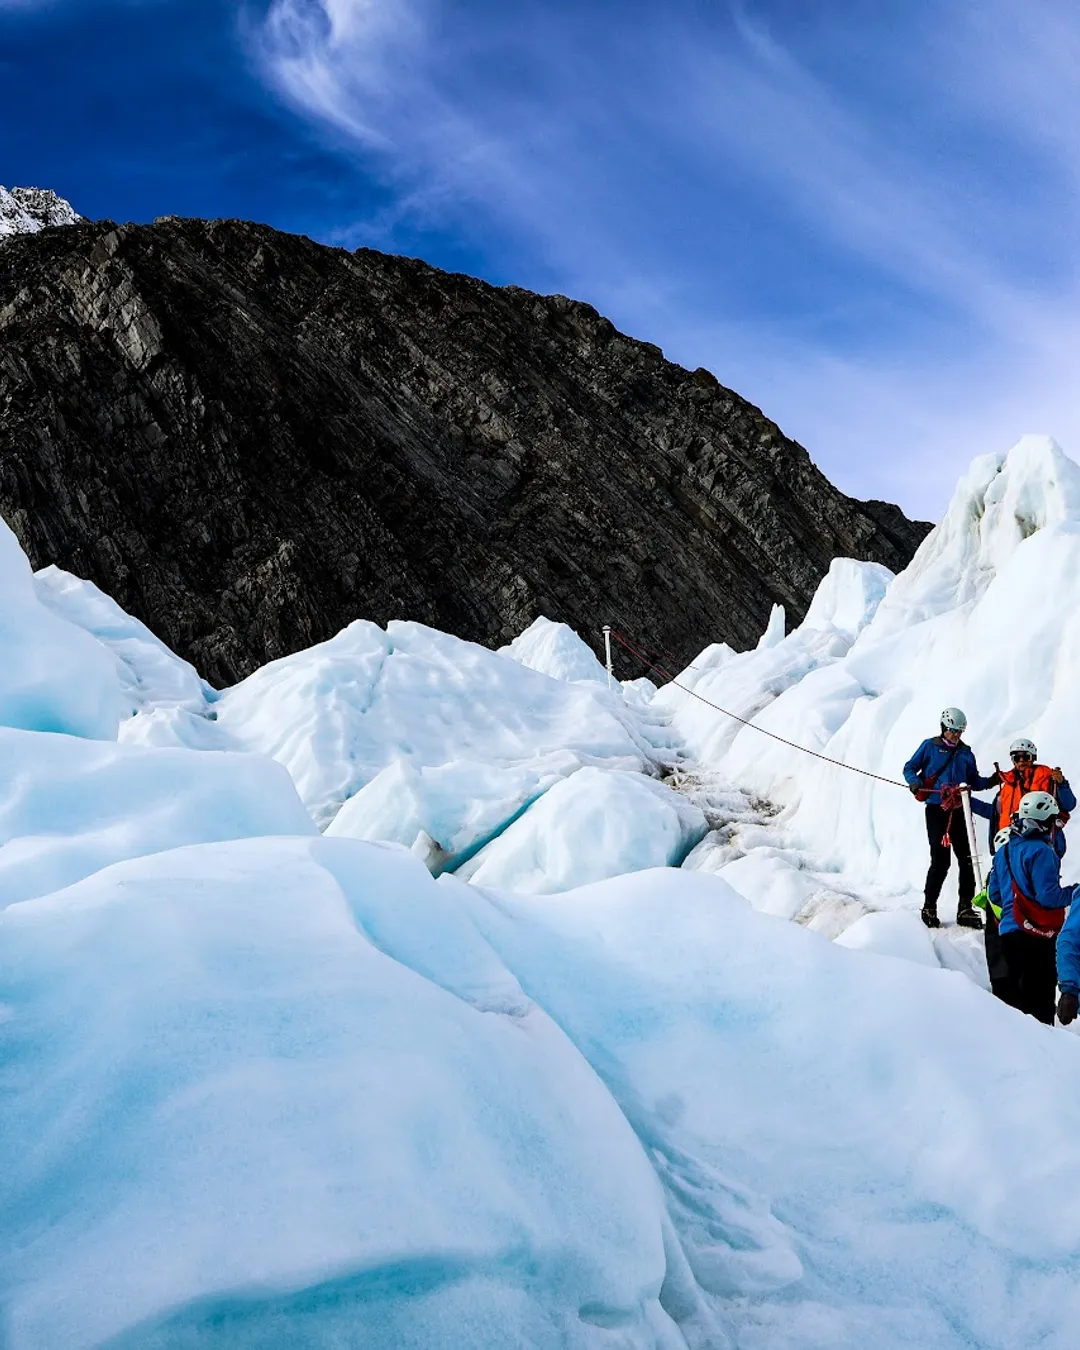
(26, 210)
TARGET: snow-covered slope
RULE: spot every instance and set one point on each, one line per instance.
(27, 210)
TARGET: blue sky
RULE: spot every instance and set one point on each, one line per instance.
(861, 214)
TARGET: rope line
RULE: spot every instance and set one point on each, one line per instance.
(653, 651)
(639, 653)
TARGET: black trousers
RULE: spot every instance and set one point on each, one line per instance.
(1032, 963)
(1001, 981)
(938, 824)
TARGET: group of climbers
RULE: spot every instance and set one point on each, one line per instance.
(1032, 929)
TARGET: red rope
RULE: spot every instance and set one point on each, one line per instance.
(667, 675)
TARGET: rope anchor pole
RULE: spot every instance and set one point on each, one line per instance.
(969, 821)
(607, 656)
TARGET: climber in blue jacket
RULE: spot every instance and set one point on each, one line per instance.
(934, 773)
(1025, 884)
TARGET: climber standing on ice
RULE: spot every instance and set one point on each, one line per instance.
(1028, 775)
(1025, 885)
(934, 774)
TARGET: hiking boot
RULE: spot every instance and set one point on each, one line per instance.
(966, 917)
(929, 916)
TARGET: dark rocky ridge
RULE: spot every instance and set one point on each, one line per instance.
(249, 439)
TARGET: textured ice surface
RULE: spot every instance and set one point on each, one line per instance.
(272, 1092)
(339, 713)
(53, 675)
(69, 806)
(597, 823)
(555, 649)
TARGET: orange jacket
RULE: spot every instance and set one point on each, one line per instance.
(1017, 782)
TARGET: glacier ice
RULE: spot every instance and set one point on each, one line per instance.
(978, 620)
(555, 649)
(263, 1088)
(69, 806)
(53, 676)
(597, 823)
(339, 713)
(150, 675)
(280, 1093)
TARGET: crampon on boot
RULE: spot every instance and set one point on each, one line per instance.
(929, 916)
(966, 917)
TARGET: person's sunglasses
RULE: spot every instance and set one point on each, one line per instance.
(1020, 754)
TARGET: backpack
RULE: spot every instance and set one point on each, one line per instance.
(1030, 916)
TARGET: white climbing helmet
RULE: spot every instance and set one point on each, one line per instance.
(1002, 838)
(1037, 806)
(952, 719)
(1022, 746)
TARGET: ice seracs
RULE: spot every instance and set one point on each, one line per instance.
(745, 683)
(980, 619)
(343, 711)
(555, 649)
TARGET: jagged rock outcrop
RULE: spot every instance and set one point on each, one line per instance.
(25, 210)
(250, 439)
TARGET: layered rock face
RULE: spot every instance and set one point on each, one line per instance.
(250, 439)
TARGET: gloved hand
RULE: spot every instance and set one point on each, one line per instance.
(1059, 777)
(994, 780)
(914, 788)
(1067, 1008)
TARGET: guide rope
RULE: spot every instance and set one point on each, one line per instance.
(639, 652)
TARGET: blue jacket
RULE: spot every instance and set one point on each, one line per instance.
(1031, 861)
(1068, 953)
(932, 760)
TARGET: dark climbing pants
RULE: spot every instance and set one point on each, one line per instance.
(1032, 963)
(938, 824)
(1001, 982)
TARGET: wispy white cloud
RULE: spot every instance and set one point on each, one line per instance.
(870, 230)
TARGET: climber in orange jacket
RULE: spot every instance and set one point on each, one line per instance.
(1027, 775)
